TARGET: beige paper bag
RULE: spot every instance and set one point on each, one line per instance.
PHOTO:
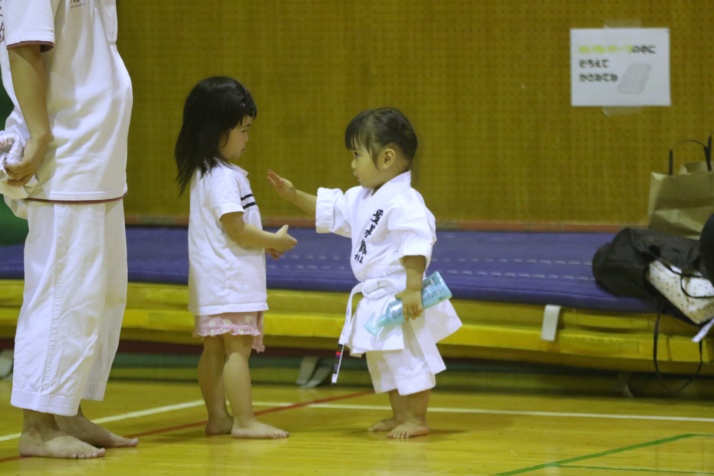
(680, 204)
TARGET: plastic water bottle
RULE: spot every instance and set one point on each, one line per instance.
(433, 291)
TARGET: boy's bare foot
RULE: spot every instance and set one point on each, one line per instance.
(384, 425)
(54, 443)
(409, 429)
(258, 430)
(219, 426)
(83, 429)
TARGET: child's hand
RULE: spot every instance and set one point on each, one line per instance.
(411, 303)
(285, 188)
(285, 242)
(275, 254)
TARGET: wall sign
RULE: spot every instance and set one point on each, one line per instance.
(620, 67)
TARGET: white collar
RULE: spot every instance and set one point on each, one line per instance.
(401, 181)
(237, 168)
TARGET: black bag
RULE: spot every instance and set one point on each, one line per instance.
(620, 267)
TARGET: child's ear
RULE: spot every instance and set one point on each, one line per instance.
(387, 158)
(223, 140)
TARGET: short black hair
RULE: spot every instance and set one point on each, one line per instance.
(375, 129)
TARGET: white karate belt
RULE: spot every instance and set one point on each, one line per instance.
(374, 288)
(345, 333)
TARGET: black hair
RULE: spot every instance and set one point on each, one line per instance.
(213, 107)
(376, 129)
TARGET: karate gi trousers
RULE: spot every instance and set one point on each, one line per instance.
(73, 305)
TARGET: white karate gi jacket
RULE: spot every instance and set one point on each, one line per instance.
(384, 227)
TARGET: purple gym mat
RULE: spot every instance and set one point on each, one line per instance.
(513, 267)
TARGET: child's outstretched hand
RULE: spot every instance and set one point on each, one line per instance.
(411, 303)
(285, 242)
(285, 188)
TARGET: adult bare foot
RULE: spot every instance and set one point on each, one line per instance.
(54, 443)
(409, 429)
(384, 425)
(83, 429)
(258, 430)
(219, 426)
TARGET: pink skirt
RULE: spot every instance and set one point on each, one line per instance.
(234, 323)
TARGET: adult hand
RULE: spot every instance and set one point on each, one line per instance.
(21, 172)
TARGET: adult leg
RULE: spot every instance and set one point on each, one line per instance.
(114, 260)
(84, 429)
(210, 379)
(56, 330)
(41, 436)
(236, 378)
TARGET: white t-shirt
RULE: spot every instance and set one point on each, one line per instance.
(89, 95)
(223, 276)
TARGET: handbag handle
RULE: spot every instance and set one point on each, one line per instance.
(682, 275)
(707, 148)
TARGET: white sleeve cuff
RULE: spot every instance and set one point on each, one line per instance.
(226, 208)
(325, 209)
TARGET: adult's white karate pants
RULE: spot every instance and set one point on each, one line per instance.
(73, 305)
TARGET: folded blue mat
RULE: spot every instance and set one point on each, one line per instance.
(511, 267)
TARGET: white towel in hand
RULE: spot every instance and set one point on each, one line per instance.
(11, 147)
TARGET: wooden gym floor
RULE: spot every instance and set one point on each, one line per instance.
(473, 433)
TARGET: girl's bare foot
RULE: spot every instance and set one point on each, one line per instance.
(258, 430)
(219, 426)
(384, 425)
(409, 429)
(54, 443)
(81, 428)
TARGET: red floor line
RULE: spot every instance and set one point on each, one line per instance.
(261, 412)
(201, 423)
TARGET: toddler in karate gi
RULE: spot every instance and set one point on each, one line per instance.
(227, 245)
(392, 234)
